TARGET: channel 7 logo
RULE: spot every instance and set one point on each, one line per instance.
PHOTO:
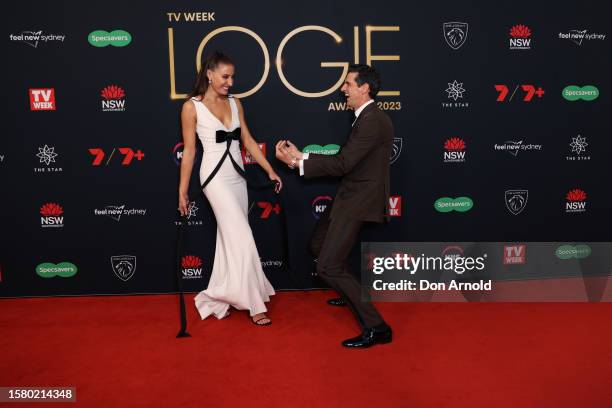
(128, 154)
(268, 209)
(529, 91)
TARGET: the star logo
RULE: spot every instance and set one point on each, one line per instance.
(578, 144)
(191, 210)
(46, 154)
(455, 90)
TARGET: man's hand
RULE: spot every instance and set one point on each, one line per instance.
(287, 153)
(293, 151)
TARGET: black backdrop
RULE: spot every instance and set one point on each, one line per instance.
(159, 65)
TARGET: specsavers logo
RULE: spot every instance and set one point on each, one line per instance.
(447, 204)
(62, 269)
(116, 38)
(575, 93)
(573, 251)
(329, 149)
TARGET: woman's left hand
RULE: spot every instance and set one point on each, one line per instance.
(279, 183)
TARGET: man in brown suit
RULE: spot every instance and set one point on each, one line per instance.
(363, 164)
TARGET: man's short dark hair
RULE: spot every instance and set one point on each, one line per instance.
(366, 75)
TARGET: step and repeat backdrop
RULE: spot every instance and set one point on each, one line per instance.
(501, 115)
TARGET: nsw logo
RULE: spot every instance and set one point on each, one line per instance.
(520, 37)
(191, 267)
(113, 99)
(575, 201)
(454, 150)
(51, 215)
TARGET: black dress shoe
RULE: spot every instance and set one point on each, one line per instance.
(336, 302)
(370, 337)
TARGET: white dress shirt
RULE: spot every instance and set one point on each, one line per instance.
(357, 113)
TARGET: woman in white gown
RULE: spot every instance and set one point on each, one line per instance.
(237, 278)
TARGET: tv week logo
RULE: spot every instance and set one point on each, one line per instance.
(191, 267)
(42, 99)
(395, 206)
(51, 215)
(246, 156)
(514, 254)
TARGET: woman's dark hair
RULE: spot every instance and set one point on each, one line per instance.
(366, 74)
(212, 62)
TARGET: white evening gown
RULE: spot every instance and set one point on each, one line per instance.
(237, 278)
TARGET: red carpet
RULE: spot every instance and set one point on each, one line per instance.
(121, 352)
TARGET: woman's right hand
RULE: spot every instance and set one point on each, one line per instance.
(183, 203)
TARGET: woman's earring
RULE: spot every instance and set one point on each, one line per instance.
(209, 81)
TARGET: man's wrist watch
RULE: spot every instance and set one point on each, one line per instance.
(293, 163)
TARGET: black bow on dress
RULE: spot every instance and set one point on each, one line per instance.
(223, 136)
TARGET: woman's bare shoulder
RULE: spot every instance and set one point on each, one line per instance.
(238, 103)
(189, 105)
